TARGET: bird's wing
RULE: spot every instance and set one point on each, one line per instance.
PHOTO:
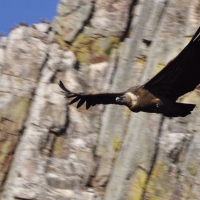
(89, 98)
(181, 75)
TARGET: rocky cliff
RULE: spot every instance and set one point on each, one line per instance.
(50, 150)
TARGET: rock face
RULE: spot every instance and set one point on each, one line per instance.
(50, 150)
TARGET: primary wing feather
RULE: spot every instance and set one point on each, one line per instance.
(181, 75)
(89, 98)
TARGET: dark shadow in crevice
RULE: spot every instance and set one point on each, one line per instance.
(60, 133)
(126, 32)
(147, 42)
(63, 130)
(154, 158)
(77, 66)
(87, 21)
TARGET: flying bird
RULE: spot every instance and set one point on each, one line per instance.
(159, 95)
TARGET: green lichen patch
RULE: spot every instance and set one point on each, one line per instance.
(192, 168)
(83, 57)
(93, 48)
(19, 113)
(58, 144)
(114, 39)
(90, 48)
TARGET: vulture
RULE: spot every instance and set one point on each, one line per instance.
(159, 95)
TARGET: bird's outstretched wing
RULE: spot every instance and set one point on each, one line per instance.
(89, 98)
(181, 75)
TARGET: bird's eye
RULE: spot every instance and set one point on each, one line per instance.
(157, 105)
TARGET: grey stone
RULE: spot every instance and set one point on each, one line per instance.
(43, 27)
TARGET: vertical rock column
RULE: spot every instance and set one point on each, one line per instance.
(22, 56)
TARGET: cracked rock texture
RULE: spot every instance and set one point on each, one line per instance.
(50, 150)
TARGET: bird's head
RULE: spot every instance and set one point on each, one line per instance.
(122, 100)
(129, 99)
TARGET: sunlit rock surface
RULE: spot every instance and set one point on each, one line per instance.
(50, 150)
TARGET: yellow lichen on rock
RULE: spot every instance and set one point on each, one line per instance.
(83, 57)
(157, 184)
(2, 157)
(60, 41)
(140, 62)
(113, 39)
(192, 168)
(159, 67)
(127, 112)
(116, 144)
(20, 113)
(138, 184)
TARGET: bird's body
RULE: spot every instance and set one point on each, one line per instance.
(158, 95)
(147, 102)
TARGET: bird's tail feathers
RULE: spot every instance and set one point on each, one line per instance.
(186, 108)
(181, 110)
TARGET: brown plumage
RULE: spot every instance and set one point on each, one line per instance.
(180, 76)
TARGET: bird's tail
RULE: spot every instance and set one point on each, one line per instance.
(186, 108)
(181, 110)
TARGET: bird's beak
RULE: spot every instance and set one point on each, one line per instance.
(122, 100)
